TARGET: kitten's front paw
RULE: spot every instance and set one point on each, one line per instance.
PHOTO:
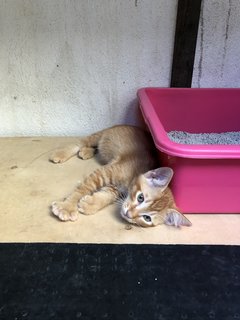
(64, 211)
(87, 205)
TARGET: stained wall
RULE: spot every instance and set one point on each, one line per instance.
(71, 67)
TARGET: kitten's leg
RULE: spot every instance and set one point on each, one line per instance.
(85, 148)
(102, 177)
(90, 204)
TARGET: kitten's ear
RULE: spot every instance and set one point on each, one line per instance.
(159, 177)
(175, 218)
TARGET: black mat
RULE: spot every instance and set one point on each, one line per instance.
(64, 281)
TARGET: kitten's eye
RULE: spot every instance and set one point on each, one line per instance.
(140, 198)
(147, 218)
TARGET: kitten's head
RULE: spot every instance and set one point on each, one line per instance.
(150, 201)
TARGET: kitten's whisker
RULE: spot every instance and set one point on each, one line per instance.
(123, 196)
(119, 202)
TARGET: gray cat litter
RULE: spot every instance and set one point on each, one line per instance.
(229, 138)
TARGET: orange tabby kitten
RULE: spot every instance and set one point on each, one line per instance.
(126, 153)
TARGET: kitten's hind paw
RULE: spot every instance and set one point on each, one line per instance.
(58, 156)
(61, 210)
(63, 154)
(86, 153)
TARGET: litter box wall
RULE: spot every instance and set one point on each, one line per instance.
(70, 67)
(218, 47)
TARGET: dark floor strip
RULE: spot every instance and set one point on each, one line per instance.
(83, 281)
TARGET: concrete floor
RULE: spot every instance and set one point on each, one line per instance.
(30, 183)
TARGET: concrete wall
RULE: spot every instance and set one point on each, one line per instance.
(70, 67)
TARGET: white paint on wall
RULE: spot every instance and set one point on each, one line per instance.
(71, 67)
(218, 46)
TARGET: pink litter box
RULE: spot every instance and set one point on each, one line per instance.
(206, 177)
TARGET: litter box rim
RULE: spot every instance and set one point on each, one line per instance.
(163, 142)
